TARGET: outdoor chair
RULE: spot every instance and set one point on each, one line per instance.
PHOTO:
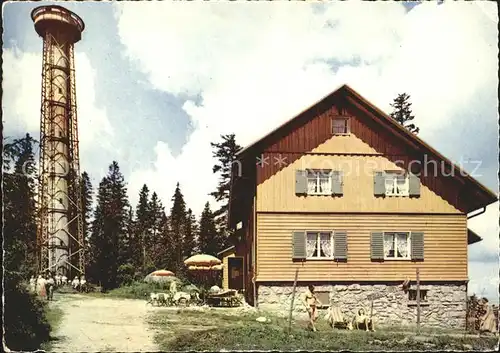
(336, 319)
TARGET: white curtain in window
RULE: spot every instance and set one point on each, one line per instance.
(388, 244)
(402, 244)
(311, 185)
(311, 244)
(326, 244)
(389, 183)
(401, 183)
(325, 185)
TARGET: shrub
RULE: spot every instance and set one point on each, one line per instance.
(25, 322)
(141, 290)
(125, 274)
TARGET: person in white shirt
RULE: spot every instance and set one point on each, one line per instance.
(58, 280)
(75, 283)
(64, 280)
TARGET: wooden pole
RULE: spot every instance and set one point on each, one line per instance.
(293, 299)
(418, 300)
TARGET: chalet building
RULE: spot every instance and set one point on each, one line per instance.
(356, 203)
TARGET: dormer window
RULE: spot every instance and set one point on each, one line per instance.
(340, 126)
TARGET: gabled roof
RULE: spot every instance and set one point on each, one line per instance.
(354, 97)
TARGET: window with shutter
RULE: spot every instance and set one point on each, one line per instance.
(337, 182)
(340, 245)
(417, 246)
(397, 246)
(299, 245)
(377, 246)
(319, 182)
(300, 182)
(414, 185)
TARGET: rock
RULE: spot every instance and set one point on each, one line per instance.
(261, 319)
(467, 347)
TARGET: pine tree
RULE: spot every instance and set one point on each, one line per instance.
(225, 153)
(142, 222)
(208, 238)
(178, 228)
(402, 112)
(156, 219)
(189, 246)
(109, 239)
(165, 255)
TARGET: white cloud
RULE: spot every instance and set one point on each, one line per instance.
(484, 256)
(487, 227)
(257, 65)
(21, 101)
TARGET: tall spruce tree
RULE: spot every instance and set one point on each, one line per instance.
(109, 237)
(155, 223)
(225, 153)
(189, 245)
(177, 229)
(208, 238)
(165, 255)
(142, 226)
(402, 112)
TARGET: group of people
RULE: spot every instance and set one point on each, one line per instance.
(311, 302)
(45, 284)
(79, 284)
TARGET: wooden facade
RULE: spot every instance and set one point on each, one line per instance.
(264, 199)
(445, 257)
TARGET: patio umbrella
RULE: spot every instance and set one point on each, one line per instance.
(162, 273)
(204, 267)
(202, 260)
(160, 276)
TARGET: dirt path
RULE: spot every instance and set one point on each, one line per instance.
(102, 324)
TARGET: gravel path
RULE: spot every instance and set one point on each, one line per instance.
(102, 324)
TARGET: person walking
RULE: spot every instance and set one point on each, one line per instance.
(40, 283)
(311, 302)
(50, 284)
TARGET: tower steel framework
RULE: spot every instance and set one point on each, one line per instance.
(60, 238)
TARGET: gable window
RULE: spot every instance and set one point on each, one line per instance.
(319, 182)
(319, 245)
(397, 246)
(396, 183)
(340, 126)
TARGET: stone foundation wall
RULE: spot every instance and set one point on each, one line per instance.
(444, 307)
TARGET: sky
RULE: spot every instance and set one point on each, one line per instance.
(158, 81)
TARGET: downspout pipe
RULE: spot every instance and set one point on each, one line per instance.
(477, 214)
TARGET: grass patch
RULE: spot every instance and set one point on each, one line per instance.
(54, 316)
(213, 330)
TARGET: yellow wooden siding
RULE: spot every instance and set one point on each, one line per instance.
(445, 247)
(277, 194)
(225, 270)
